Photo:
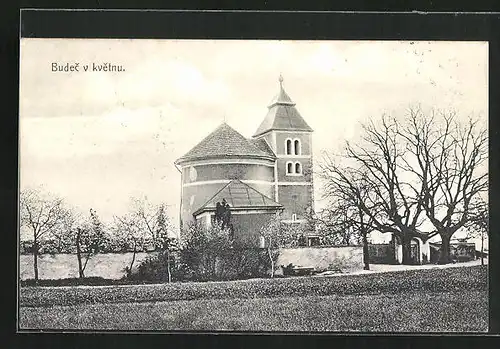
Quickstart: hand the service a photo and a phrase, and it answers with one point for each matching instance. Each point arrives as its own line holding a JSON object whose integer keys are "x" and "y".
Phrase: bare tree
{"x": 423, "y": 168}
{"x": 449, "y": 159}
{"x": 384, "y": 198}
{"x": 335, "y": 227}
{"x": 346, "y": 214}
{"x": 42, "y": 214}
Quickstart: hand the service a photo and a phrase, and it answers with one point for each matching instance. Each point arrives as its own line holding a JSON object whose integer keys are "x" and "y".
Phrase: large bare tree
{"x": 423, "y": 168}
{"x": 449, "y": 157}
{"x": 370, "y": 175}
{"x": 42, "y": 214}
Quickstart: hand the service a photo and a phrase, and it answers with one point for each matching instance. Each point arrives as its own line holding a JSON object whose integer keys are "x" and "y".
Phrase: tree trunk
{"x": 366, "y": 254}
{"x": 35, "y": 260}
{"x": 79, "y": 254}
{"x": 482, "y": 247}
{"x": 215, "y": 266}
{"x": 272, "y": 262}
{"x": 406, "y": 245}
{"x": 129, "y": 271}
{"x": 168, "y": 266}
{"x": 212, "y": 264}
{"x": 444, "y": 252}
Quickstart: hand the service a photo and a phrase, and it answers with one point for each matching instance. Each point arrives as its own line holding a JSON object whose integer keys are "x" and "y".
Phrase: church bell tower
{"x": 290, "y": 138}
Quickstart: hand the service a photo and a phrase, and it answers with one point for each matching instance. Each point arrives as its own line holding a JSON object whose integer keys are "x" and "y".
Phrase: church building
{"x": 260, "y": 177}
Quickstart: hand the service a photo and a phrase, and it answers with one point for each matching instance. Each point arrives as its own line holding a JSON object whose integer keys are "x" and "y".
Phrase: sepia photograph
{"x": 253, "y": 185}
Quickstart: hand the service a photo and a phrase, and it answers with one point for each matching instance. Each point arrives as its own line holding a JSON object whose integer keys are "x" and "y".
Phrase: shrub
{"x": 232, "y": 264}
{"x": 154, "y": 269}
{"x": 207, "y": 255}
{"x": 211, "y": 254}
{"x": 244, "y": 263}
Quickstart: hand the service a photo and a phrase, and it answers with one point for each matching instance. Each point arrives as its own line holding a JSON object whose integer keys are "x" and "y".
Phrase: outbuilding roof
{"x": 239, "y": 195}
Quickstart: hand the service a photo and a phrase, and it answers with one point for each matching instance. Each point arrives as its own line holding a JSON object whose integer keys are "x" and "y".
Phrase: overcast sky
{"x": 97, "y": 138}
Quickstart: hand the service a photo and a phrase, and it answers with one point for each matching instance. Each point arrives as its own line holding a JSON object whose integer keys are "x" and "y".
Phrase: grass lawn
{"x": 430, "y": 312}
{"x": 427, "y": 306}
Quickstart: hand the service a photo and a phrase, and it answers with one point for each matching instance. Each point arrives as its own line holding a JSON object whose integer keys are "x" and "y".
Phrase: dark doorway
{"x": 415, "y": 251}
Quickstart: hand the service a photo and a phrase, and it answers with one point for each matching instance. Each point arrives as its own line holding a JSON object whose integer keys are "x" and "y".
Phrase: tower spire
{"x": 282, "y": 97}
{"x": 282, "y": 114}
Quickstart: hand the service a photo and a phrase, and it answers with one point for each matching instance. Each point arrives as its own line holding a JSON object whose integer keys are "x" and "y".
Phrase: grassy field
{"x": 454, "y": 299}
{"x": 427, "y": 312}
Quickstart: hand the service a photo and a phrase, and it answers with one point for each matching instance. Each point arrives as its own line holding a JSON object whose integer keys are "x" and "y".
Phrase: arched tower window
{"x": 288, "y": 147}
{"x": 298, "y": 168}
{"x": 289, "y": 167}
{"x": 296, "y": 147}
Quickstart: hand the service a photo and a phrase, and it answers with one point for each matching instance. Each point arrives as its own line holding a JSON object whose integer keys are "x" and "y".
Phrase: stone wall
{"x": 459, "y": 252}
{"x": 346, "y": 258}
{"x": 381, "y": 254}
{"x": 62, "y": 266}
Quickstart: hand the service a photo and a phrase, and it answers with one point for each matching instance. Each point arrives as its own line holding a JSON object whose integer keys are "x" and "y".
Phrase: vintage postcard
{"x": 253, "y": 185}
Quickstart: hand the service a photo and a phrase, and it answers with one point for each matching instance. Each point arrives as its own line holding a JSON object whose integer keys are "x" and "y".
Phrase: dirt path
{"x": 387, "y": 268}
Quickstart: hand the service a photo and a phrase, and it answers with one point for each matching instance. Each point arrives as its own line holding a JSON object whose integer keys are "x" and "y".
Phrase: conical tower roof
{"x": 282, "y": 115}
{"x": 225, "y": 141}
